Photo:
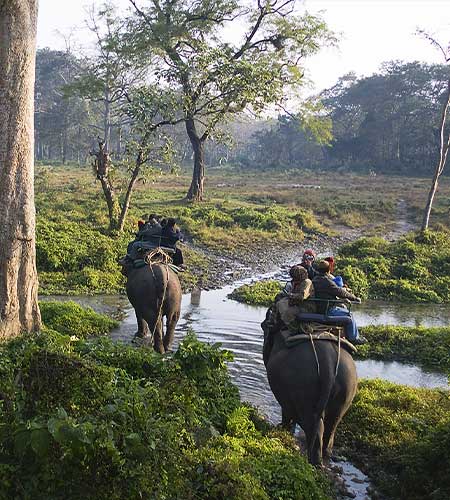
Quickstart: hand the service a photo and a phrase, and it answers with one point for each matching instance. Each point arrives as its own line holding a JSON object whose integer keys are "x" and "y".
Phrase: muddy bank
{"x": 229, "y": 267}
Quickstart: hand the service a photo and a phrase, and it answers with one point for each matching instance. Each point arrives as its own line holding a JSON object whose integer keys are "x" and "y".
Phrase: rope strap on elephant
{"x": 159, "y": 256}
{"x": 292, "y": 340}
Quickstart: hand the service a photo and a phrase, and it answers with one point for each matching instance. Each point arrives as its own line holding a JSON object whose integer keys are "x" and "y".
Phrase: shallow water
{"x": 215, "y": 318}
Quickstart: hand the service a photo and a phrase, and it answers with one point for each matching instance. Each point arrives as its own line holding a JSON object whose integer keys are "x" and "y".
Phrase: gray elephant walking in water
{"x": 155, "y": 292}
{"x": 310, "y": 390}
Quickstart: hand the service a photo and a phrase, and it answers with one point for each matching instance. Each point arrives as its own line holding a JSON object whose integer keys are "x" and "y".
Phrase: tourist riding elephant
{"x": 309, "y": 390}
{"x": 154, "y": 292}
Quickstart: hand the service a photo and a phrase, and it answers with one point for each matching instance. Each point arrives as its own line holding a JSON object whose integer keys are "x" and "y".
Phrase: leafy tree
{"x": 113, "y": 80}
{"x": 19, "y": 311}
{"x": 215, "y": 77}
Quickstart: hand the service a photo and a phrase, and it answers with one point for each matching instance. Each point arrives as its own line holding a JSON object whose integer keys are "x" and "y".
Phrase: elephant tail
{"x": 327, "y": 377}
{"x": 162, "y": 282}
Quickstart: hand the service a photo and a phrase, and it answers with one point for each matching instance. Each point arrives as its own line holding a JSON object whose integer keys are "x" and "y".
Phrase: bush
{"x": 413, "y": 269}
{"x": 356, "y": 279}
{"x": 403, "y": 291}
{"x": 400, "y": 436}
{"x": 104, "y": 421}
{"x": 430, "y": 347}
{"x": 245, "y": 463}
{"x": 261, "y": 293}
{"x": 70, "y": 318}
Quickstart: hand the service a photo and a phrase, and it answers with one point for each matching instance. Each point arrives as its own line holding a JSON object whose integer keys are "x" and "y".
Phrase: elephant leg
{"x": 287, "y": 422}
{"x": 155, "y": 326}
{"x": 142, "y": 330}
{"x": 171, "y": 323}
{"x": 157, "y": 337}
{"x": 314, "y": 437}
{"x": 330, "y": 424}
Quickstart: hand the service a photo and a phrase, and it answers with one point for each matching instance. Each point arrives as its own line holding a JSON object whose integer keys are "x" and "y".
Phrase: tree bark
{"x": 19, "y": 310}
{"x": 101, "y": 165}
{"x": 195, "y": 192}
{"x": 444, "y": 145}
{"x": 126, "y": 201}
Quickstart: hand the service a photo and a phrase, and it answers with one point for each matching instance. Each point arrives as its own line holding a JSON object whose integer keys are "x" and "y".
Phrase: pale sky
{"x": 371, "y": 31}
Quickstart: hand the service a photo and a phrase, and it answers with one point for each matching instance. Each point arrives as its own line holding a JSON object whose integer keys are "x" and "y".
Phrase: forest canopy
{"x": 387, "y": 122}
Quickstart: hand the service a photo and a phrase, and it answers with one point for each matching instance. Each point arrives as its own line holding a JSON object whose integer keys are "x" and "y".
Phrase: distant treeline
{"x": 387, "y": 122}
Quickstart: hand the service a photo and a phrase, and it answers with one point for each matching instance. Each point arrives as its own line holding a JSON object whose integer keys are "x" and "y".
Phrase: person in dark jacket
{"x": 326, "y": 289}
{"x": 170, "y": 236}
{"x": 308, "y": 259}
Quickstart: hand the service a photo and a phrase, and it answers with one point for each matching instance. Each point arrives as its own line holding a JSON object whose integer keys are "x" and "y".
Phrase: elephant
{"x": 155, "y": 291}
{"x": 316, "y": 399}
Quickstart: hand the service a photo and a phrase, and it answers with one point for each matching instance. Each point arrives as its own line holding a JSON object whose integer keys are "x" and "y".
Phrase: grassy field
{"x": 246, "y": 216}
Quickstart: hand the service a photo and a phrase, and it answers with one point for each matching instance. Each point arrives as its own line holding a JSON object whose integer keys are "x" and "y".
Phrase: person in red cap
{"x": 308, "y": 259}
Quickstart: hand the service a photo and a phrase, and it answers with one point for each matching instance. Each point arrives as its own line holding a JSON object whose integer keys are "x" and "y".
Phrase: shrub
{"x": 261, "y": 293}
{"x": 399, "y": 436}
{"x": 98, "y": 420}
{"x": 430, "y": 347}
{"x": 403, "y": 290}
{"x": 356, "y": 280}
{"x": 70, "y": 318}
{"x": 364, "y": 247}
{"x": 415, "y": 268}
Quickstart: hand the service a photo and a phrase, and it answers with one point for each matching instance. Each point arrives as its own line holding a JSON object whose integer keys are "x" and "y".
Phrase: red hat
{"x": 330, "y": 260}
{"x": 308, "y": 253}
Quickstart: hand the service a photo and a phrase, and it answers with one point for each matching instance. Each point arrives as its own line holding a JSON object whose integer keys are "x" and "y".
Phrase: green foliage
{"x": 412, "y": 269}
{"x": 399, "y": 436}
{"x": 75, "y": 258}
{"x": 261, "y": 293}
{"x": 365, "y": 247}
{"x": 245, "y": 463}
{"x": 273, "y": 218}
{"x": 93, "y": 419}
{"x": 430, "y": 347}
{"x": 356, "y": 279}
{"x": 70, "y": 318}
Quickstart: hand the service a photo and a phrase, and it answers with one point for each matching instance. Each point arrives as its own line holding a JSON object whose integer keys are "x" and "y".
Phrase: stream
{"x": 215, "y": 318}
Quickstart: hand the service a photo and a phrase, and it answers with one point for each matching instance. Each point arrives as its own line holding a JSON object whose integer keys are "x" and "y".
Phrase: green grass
{"x": 413, "y": 269}
{"x": 429, "y": 347}
{"x": 70, "y": 318}
{"x": 261, "y": 293}
{"x": 400, "y": 437}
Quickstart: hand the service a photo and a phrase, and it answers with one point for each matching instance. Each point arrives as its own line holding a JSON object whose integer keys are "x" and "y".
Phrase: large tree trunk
{"x": 195, "y": 192}
{"x": 19, "y": 311}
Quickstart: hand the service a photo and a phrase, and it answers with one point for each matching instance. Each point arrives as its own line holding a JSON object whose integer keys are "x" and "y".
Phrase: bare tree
{"x": 444, "y": 136}
{"x": 19, "y": 311}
